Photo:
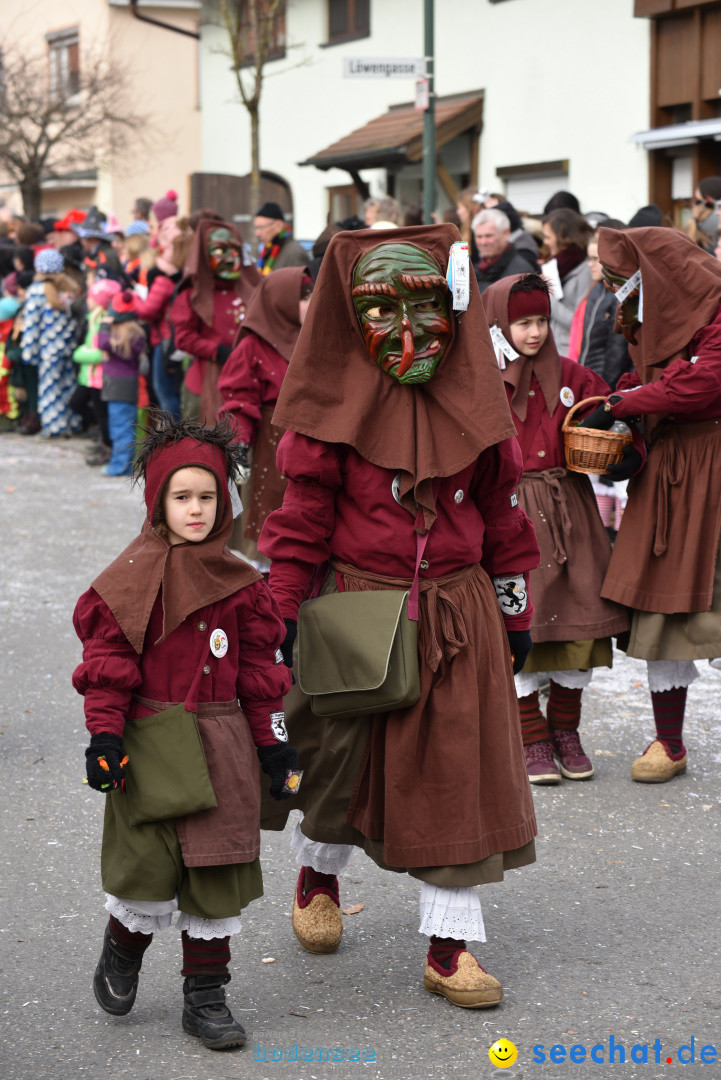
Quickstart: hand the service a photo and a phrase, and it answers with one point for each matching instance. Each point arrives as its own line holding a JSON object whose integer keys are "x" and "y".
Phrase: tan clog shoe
{"x": 465, "y": 983}
{"x": 317, "y": 921}
{"x": 658, "y": 764}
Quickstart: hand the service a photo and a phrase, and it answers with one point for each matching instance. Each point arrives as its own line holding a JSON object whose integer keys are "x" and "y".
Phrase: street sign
{"x": 363, "y": 67}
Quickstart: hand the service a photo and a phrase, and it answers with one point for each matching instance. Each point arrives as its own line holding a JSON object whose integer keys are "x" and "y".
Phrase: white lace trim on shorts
{"x": 451, "y": 913}
{"x": 527, "y": 683}
{"x": 670, "y": 674}
{"x": 149, "y": 916}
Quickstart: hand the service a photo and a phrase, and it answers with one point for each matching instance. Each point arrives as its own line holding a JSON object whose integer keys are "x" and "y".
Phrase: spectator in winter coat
{"x": 499, "y": 257}
{"x": 566, "y": 235}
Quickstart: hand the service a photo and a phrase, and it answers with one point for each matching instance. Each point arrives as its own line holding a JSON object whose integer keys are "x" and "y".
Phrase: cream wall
{"x": 163, "y": 70}
{"x": 546, "y": 68}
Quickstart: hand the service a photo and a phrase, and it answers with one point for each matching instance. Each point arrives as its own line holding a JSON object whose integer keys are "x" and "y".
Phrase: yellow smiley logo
{"x": 503, "y": 1053}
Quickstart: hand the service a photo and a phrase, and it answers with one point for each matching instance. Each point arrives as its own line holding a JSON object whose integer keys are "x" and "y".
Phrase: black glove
{"x": 600, "y": 419}
{"x": 628, "y": 466}
{"x": 222, "y": 353}
{"x": 291, "y": 629}
{"x": 277, "y": 761}
{"x": 108, "y": 748}
{"x": 521, "y": 644}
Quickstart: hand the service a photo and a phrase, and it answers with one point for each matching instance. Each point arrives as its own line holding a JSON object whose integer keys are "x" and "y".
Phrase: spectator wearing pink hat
{"x": 87, "y": 399}
{"x": 161, "y": 287}
{"x": 123, "y": 341}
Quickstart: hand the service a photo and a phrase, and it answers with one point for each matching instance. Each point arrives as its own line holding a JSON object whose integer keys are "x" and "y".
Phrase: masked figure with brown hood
{"x": 665, "y": 563}
{"x": 249, "y": 385}
{"x": 210, "y": 307}
{"x": 401, "y": 464}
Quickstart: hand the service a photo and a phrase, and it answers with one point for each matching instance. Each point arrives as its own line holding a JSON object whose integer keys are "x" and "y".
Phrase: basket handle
{"x": 586, "y": 401}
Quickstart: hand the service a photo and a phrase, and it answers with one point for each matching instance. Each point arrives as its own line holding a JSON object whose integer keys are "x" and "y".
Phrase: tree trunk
{"x": 32, "y": 196}
{"x": 255, "y": 199}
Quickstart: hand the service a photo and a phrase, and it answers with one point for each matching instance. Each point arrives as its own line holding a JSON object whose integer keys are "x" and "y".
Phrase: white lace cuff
{"x": 207, "y": 929}
{"x": 670, "y": 674}
{"x": 324, "y": 858}
{"x": 572, "y": 680}
{"x": 141, "y": 916}
{"x": 526, "y": 683}
{"x": 451, "y": 913}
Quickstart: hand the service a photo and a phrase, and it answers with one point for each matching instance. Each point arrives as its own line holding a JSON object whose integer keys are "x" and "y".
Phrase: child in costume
{"x": 398, "y": 428}
{"x": 572, "y": 625}
{"x": 178, "y": 618}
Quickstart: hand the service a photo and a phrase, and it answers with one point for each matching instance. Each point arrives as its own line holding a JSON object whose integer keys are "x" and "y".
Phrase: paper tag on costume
{"x": 396, "y": 488}
{"x": 236, "y": 503}
{"x": 278, "y": 656}
{"x": 219, "y": 643}
{"x": 277, "y": 726}
{"x": 634, "y": 282}
{"x": 458, "y": 275}
{"x": 549, "y": 270}
{"x": 504, "y": 349}
{"x": 567, "y": 396}
{"x": 640, "y": 301}
{"x": 511, "y": 593}
{"x": 293, "y": 778}
{"x": 514, "y": 500}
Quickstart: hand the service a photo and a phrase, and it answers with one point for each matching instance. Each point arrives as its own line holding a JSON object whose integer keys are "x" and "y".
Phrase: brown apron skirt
{"x": 575, "y": 551}
{"x": 210, "y": 859}
{"x": 439, "y": 789}
{"x": 664, "y": 558}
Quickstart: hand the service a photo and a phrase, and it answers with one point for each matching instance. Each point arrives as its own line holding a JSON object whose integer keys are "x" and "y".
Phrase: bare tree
{"x": 253, "y": 31}
{"x": 50, "y": 127}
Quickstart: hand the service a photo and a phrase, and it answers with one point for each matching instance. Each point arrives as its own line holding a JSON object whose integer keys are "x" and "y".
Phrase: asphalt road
{"x": 612, "y": 935}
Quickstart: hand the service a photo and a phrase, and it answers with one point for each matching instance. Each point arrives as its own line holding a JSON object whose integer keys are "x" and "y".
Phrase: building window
{"x": 64, "y": 61}
{"x": 271, "y": 19}
{"x": 348, "y": 19}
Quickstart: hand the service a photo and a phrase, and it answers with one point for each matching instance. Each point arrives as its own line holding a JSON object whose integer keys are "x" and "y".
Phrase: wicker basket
{"x": 589, "y": 450}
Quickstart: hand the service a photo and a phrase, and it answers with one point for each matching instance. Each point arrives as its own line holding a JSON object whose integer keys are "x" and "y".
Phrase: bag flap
{"x": 345, "y": 640}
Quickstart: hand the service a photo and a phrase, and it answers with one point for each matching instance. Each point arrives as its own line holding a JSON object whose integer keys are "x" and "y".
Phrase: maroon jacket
{"x": 251, "y": 378}
{"x": 193, "y": 336}
{"x": 154, "y": 308}
{"x": 337, "y": 504}
{"x": 251, "y": 670}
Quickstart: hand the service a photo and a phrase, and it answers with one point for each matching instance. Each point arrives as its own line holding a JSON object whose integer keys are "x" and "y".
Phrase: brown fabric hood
{"x": 681, "y": 288}
{"x": 273, "y": 313}
{"x": 334, "y": 392}
{"x": 199, "y": 277}
{"x": 545, "y": 365}
{"x": 191, "y": 575}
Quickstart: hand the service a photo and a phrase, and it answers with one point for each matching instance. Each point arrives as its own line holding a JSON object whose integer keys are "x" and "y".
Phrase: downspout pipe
{"x": 162, "y": 25}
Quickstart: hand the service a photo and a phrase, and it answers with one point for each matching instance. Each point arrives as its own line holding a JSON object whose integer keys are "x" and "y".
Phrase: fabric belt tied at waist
{"x": 446, "y": 624}
{"x": 560, "y": 522}
{"x": 204, "y": 708}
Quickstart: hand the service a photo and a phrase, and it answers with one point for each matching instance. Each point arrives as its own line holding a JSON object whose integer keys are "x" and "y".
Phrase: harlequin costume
{"x": 438, "y": 789}
{"x": 572, "y": 625}
{"x": 665, "y": 563}
{"x": 210, "y": 306}
{"x": 148, "y": 623}
{"x": 251, "y": 380}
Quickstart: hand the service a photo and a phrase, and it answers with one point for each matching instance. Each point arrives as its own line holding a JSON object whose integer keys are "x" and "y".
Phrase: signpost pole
{"x": 429, "y": 120}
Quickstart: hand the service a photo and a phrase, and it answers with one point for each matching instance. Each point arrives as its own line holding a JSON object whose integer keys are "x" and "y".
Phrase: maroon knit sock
{"x": 564, "y": 707}
{"x": 314, "y": 880}
{"x": 443, "y": 949}
{"x": 533, "y": 723}
{"x": 135, "y": 942}
{"x": 205, "y": 957}
{"x": 668, "y": 711}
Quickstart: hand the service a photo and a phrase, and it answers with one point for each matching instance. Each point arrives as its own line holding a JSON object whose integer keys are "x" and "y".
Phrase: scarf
{"x": 269, "y": 254}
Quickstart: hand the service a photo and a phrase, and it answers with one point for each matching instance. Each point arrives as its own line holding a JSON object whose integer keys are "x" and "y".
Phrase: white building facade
{"x": 550, "y": 93}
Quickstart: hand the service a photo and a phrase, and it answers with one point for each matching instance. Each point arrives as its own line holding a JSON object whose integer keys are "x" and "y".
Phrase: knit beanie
{"x": 139, "y": 227}
{"x": 522, "y": 305}
{"x": 167, "y": 206}
{"x": 10, "y": 284}
{"x": 270, "y": 210}
{"x": 122, "y": 307}
{"x": 710, "y": 187}
{"x": 49, "y": 261}
{"x": 101, "y": 292}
